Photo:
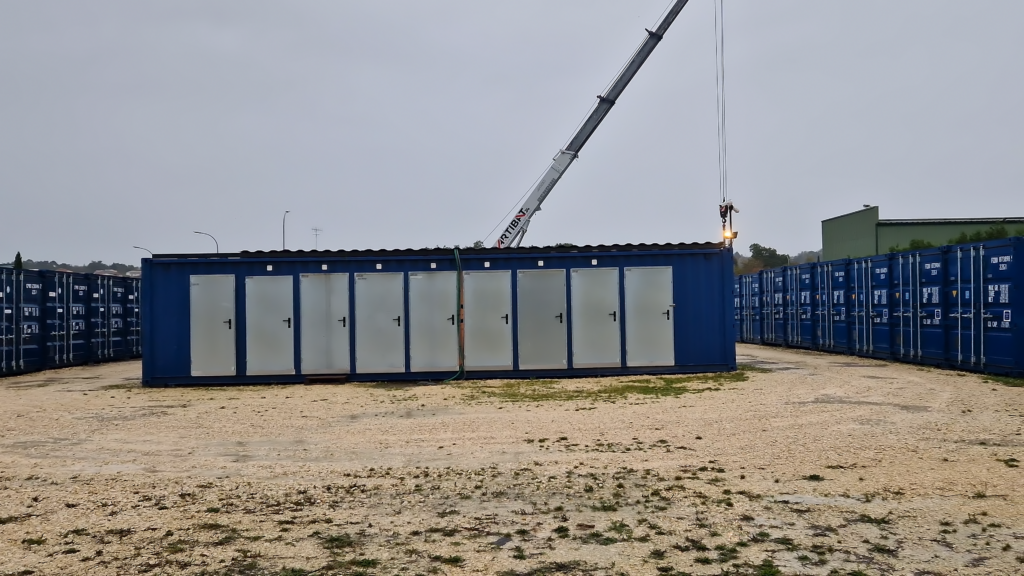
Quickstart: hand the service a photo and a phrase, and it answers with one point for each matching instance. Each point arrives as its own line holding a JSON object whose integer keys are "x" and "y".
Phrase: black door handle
{"x": 399, "y": 320}
{"x": 506, "y": 318}
{"x": 668, "y": 314}
{"x": 289, "y": 321}
{"x": 343, "y": 324}
{"x": 228, "y": 322}
{"x": 559, "y": 317}
{"x": 614, "y": 316}
{"x": 452, "y": 319}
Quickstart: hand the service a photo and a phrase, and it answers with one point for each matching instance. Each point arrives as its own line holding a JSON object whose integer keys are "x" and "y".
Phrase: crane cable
{"x": 723, "y": 148}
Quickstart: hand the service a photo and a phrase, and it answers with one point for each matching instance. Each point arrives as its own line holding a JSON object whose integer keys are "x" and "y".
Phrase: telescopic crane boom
{"x": 516, "y": 229}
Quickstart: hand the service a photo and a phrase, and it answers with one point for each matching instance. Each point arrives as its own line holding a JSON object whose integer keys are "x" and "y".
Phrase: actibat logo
{"x": 512, "y": 227}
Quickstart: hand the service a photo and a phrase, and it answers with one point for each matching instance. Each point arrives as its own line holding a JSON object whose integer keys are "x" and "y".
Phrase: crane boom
{"x": 516, "y": 228}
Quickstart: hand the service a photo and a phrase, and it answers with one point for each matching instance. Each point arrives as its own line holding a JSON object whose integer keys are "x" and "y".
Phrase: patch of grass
{"x": 120, "y": 532}
{"x": 556, "y": 391}
{"x": 1006, "y": 381}
{"x": 337, "y": 541}
{"x": 561, "y": 531}
{"x": 33, "y": 541}
{"x": 213, "y": 510}
{"x": 603, "y": 506}
{"x": 814, "y": 478}
{"x": 1010, "y": 462}
{"x": 881, "y": 549}
{"x": 363, "y": 562}
{"x": 448, "y": 560}
{"x": 596, "y": 537}
{"x": 518, "y": 553}
{"x": 75, "y": 532}
{"x": 868, "y": 519}
{"x": 550, "y": 568}
{"x": 12, "y": 519}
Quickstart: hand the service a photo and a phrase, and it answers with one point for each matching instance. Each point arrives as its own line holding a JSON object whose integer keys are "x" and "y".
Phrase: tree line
{"x": 996, "y": 232}
{"x": 766, "y": 257}
{"x": 22, "y": 264}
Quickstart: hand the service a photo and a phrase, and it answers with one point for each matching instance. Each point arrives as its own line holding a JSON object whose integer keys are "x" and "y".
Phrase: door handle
{"x": 559, "y": 317}
{"x": 289, "y": 321}
{"x": 452, "y": 319}
{"x": 228, "y": 322}
{"x": 614, "y": 316}
{"x": 668, "y": 314}
{"x": 399, "y": 320}
{"x": 506, "y": 318}
{"x": 343, "y": 323}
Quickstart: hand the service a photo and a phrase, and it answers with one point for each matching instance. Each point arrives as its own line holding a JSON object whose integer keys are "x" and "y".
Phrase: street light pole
{"x": 146, "y": 249}
{"x": 283, "y": 220}
{"x": 215, "y": 243}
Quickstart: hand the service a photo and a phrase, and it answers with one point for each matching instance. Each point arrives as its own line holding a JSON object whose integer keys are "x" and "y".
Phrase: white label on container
{"x": 94, "y": 295}
{"x": 1006, "y": 315}
{"x": 8, "y": 311}
{"x": 52, "y": 294}
{"x": 938, "y": 314}
{"x": 60, "y": 310}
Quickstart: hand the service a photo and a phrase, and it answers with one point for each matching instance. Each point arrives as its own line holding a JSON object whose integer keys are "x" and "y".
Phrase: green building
{"x": 862, "y": 233}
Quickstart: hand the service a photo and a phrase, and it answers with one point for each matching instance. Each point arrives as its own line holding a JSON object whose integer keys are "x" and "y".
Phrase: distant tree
{"x": 18, "y": 264}
{"x": 995, "y": 232}
{"x": 768, "y": 257}
{"x": 565, "y": 245}
{"x": 478, "y": 244}
{"x": 915, "y": 244}
{"x": 806, "y": 256}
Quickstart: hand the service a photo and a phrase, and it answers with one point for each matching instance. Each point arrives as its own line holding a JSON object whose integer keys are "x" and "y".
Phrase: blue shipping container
{"x": 420, "y": 314}
{"x": 951, "y": 307}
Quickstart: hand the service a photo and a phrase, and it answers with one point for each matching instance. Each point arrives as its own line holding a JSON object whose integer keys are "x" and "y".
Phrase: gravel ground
{"x": 802, "y": 463}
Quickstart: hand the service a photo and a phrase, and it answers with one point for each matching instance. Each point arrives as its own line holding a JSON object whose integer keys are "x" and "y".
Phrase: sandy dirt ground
{"x": 802, "y": 463}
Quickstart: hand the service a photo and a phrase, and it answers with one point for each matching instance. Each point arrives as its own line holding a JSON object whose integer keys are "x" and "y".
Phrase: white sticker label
{"x": 938, "y": 314}
{"x": 1006, "y": 315}
{"x": 53, "y": 294}
{"x": 131, "y": 297}
{"x": 60, "y": 310}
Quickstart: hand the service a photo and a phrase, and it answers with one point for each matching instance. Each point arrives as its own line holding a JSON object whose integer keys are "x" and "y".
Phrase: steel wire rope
{"x": 723, "y": 112}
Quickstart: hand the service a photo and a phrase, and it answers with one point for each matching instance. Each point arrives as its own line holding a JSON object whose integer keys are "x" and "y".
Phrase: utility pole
{"x": 316, "y": 237}
{"x": 283, "y": 220}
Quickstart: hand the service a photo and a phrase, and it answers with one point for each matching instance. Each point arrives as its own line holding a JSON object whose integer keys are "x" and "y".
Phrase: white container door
{"x": 542, "y": 319}
{"x": 650, "y": 317}
{"x": 433, "y": 326}
{"x": 487, "y": 298}
{"x": 596, "y": 341}
{"x": 323, "y": 304}
{"x": 269, "y": 337}
{"x": 380, "y": 322}
{"x": 212, "y": 325}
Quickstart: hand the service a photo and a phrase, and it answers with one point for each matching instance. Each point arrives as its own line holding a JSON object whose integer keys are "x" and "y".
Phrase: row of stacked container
{"x": 951, "y": 307}
{"x": 52, "y": 319}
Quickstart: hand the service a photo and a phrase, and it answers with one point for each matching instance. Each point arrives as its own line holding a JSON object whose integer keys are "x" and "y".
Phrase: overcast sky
{"x": 421, "y": 123}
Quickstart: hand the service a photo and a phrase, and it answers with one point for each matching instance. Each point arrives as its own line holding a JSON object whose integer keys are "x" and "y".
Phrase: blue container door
{"x": 56, "y": 316}
{"x": 737, "y": 308}
{"x": 134, "y": 319}
{"x": 1000, "y": 350}
{"x": 880, "y": 338}
{"x": 754, "y": 282}
{"x": 99, "y": 319}
{"x": 857, "y": 313}
{"x": 79, "y": 328}
{"x": 927, "y": 307}
{"x": 904, "y": 324}
{"x": 806, "y": 329}
{"x": 963, "y": 265}
{"x": 29, "y": 344}
{"x": 778, "y": 280}
{"x": 838, "y": 310}
{"x": 117, "y": 300}
{"x": 8, "y": 334}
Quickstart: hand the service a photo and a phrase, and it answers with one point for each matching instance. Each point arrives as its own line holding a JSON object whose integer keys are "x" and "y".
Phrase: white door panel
{"x": 488, "y": 306}
{"x": 380, "y": 319}
{"x": 542, "y": 319}
{"x": 433, "y": 324}
{"x": 212, "y": 325}
{"x": 650, "y": 316}
{"x": 596, "y": 340}
{"x": 269, "y": 334}
{"x": 323, "y": 301}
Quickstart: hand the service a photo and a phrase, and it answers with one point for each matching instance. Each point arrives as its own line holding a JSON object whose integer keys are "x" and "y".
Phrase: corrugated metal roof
{"x": 446, "y": 251}
{"x": 951, "y": 221}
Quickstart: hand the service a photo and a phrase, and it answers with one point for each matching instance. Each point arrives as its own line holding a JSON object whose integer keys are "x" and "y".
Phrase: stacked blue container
{"x": 951, "y": 307}
{"x": 52, "y": 319}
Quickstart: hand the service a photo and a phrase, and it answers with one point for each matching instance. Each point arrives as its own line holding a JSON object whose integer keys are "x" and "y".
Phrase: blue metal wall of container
{"x": 52, "y": 319}
{"x": 416, "y": 314}
{"x": 951, "y": 307}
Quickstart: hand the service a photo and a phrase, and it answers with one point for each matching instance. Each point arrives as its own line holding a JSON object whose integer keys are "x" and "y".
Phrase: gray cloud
{"x": 408, "y": 124}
